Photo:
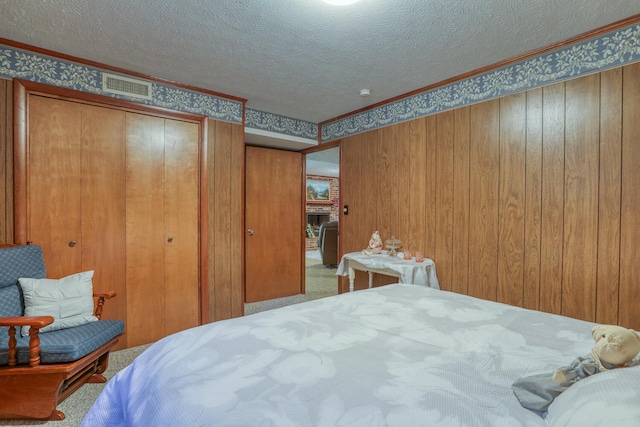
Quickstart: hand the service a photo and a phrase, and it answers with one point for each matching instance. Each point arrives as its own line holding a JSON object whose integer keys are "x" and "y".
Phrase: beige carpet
{"x": 321, "y": 282}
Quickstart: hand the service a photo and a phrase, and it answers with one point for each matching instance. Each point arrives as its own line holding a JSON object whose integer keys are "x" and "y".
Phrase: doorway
{"x": 322, "y": 213}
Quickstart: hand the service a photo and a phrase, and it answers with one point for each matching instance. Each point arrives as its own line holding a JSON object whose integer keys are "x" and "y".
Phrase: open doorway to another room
{"x": 322, "y": 222}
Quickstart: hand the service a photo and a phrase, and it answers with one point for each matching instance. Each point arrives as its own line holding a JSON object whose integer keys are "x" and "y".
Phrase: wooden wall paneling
{"x": 430, "y": 171}
{"x": 483, "y": 201}
{"x": 6, "y": 171}
{"x": 533, "y": 200}
{"x": 608, "y": 269}
{"x": 387, "y": 191}
{"x": 181, "y": 234}
{"x": 511, "y": 209}
{"x": 103, "y": 224}
{"x": 212, "y": 232}
{"x": 582, "y": 134}
{"x": 145, "y": 228}
{"x": 359, "y": 191}
{"x": 403, "y": 185}
{"x": 222, "y": 221}
{"x": 54, "y": 172}
{"x": 460, "y": 278}
{"x": 630, "y": 215}
{"x": 443, "y": 256}
{"x": 417, "y": 184}
{"x": 236, "y": 249}
{"x": 553, "y": 112}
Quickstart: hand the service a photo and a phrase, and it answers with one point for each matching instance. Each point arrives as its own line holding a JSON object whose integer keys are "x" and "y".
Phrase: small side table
{"x": 407, "y": 271}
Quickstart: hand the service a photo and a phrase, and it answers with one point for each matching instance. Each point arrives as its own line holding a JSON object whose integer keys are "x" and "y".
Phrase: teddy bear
{"x": 375, "y": 244}
{"x": 615, "y": 347}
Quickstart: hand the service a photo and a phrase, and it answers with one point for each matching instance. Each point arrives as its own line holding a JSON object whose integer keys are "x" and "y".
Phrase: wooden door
{"x": 103, "y": 204}
{"x": 145, "y": 228}
{"x": 117, "y": 192}
{"x": 53, "y": 203}
{"x": 181, "y": 235}
{"x": 273, "y": 213}
{"x": 161, "y": 227}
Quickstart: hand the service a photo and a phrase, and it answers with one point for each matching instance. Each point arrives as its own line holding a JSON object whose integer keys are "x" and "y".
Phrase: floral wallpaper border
{"x": 16, "y": 63}
{"x": 608, "y": 51}
{"x": 262, "y": 120}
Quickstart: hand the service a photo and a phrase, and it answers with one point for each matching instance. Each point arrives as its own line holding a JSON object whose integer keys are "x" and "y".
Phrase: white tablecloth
{"x": 418, "y": 273}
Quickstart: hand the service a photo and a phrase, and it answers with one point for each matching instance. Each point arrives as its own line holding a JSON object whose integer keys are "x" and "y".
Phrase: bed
{"x": 395, "y": 355}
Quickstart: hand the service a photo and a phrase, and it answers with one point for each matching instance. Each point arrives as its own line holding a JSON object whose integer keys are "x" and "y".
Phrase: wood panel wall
{"x": 532, "y": 199}
{"x": 224, "y": 203}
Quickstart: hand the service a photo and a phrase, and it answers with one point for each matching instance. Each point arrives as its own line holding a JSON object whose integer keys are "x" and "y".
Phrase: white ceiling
{"x": 303, "y": 59}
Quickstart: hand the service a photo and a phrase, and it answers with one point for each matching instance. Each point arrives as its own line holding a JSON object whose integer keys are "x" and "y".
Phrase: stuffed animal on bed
{"x": 375, "y": 244}
{"x": 614, "y": 347}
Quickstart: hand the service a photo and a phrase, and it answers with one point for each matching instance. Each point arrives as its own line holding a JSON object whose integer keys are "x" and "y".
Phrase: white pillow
{"x": 610, "y": 398}
{"x": 69, "y": 300}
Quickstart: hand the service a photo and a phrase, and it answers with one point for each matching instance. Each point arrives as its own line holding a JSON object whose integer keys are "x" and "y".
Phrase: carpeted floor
{"x": 321, "y": 282}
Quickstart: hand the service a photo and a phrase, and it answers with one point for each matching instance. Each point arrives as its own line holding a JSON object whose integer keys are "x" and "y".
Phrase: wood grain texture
{"x": 443, "y": 255}
{"x": 430, "y": 170}
{"x": 274, "y": 252}
{"x": 360, "y": 170}
{"x": 582, "y": 132}
{"x": 416, "y": 188}
{"x": 553, "y": 113}
{"x": 608, "y": 270}
{"x": 236, "y": 250}
{"x": 483, "y": 203}
{"x": 511, "y": 198}
{"x": 54, "y": 198}
{"x": 181, "y": 219}
{"x": 222, "y": 222}
{"x": 145, "y": 228}
{"x": 5, "y": 152}
{"x": 533, "y": 200}
{"x": 103, "y": 204}
{"x": 461, "y": 150}
{"x": 630, "y": 200}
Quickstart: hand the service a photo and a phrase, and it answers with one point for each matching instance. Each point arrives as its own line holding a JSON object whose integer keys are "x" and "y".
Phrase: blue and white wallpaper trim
{"x": 256, "y": 119}
{"x": 608, "y": 51}
{"x": 15, "y": 63}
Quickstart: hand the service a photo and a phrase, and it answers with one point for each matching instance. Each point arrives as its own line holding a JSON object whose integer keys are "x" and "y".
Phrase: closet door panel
{"x": 181, "y": 226}
{"x": 103, "y": 203}
{"x": 53, "y": 204}
{"x": 145, "y": 228}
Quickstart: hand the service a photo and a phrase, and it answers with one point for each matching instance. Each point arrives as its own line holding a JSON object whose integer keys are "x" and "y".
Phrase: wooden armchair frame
{"x": 33, "y": 390}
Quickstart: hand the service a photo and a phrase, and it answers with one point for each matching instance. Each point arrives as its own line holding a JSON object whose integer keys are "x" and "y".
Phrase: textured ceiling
{"x": 303, "y": 58}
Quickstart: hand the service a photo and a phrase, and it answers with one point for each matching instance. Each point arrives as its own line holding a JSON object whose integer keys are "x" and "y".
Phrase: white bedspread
{"x": 397, "y": 355}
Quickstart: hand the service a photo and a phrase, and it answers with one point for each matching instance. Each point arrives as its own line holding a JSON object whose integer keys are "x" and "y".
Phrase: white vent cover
{"x": 112, "y": 83}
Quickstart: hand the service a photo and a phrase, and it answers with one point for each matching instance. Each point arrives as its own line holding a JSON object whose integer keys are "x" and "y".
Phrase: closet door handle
{"x": 72, "y": 243}
{"x": 170, "y": 239}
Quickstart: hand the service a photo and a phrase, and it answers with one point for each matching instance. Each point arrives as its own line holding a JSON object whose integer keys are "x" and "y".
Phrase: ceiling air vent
{"x": 112, "y": 83}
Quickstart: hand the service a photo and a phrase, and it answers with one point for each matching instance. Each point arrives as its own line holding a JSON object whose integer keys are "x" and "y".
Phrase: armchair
{"x": 328, "y": 243}
{"x": 40, "y": 370}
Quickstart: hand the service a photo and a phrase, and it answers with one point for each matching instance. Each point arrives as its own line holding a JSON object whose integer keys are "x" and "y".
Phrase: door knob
{"x": 250, "y": 231}
{"x": 72, "y": 243}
